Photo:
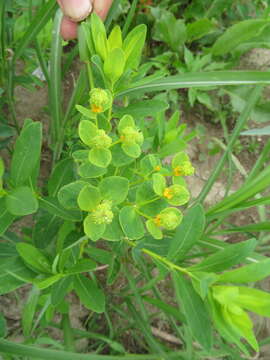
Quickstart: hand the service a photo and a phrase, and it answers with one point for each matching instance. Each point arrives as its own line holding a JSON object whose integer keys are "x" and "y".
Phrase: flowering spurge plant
{"x": 119, "y": 206}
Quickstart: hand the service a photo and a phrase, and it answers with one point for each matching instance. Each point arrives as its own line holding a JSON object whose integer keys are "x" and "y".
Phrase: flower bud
{"x": 101, "y": 140}
{"x": 169, "y": 218}
{"x": 99, "y": 100}
{"x": 130, "y": 135}
{"x": 184, "y": 169}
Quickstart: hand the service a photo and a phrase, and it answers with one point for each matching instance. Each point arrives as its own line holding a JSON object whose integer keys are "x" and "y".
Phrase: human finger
{"x": 101, "y": 7}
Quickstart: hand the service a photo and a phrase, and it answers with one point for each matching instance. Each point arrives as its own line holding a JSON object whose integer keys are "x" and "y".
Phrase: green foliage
{"x": 122, "y": 178}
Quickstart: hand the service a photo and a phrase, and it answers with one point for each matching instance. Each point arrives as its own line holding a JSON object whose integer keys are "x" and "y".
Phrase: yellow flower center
{"x": 168, "y": 193}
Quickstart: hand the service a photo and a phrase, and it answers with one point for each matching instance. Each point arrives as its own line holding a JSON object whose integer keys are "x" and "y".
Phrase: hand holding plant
{"x": 78, "y": 10}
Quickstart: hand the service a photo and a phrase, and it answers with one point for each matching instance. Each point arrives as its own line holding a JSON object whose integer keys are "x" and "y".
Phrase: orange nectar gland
{"x": 96, "y": 109}
{"x": 157, "y": 220}
{"x": 157, "y": 168}
{"x": 168, "y": 193}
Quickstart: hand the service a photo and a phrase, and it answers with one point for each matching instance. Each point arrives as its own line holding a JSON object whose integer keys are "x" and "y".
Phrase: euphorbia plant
{"x": 115, "y": 185}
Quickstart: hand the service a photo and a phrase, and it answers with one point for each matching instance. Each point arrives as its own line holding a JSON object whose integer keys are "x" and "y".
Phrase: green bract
{"x": 167, "y": 219}
{"x": 99, "y": 202}
{"x": 99, "y": 141}
{"x": 176, "y": 195}
{"x": 131, "y": 138}
{"x": 181, "y": 166}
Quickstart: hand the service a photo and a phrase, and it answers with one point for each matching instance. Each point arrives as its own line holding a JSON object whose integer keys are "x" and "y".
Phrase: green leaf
{"x": 14, "y": 274}
{"x": 34, "y": 257}
{"x": 237, "y": 34}
{"x": 248, "y": 190}
{"x": 249, "y": 273}
{"x": 90, "y": 295}
{"x": 202, "y": 282}
{"x": 21, "y": 201}
{"x": 115, "y": 38}
{"x": 195, "y": 311}
{"x": 26, "y": 153}
{"x": 92, "y": 230}
{"x": 99, "y": 36}
{"x": 60, "y": 289}
{"x": 224, "y": 259}
{"x": 62, "y": 174}
{"x": 86, "y": 112}
{"x": 133, "y": 46}
{"x": 68, "y": 194}
{"x": 254, "y": 300}
{"x": 29, "y": 311}
{"x": 100, "y": 157}
{"x": 131, "y": 223}
{"x": 89, "y": 198}
{"x": 114, "y": 188}
{"x": 52, "y": 206}
{"x": 188, "y": 233}
{"x": 172, "y": 148}
{"x": 198, "y": 79}
{"x": 47, "y": 282}
{"x": 224, "y": 327}
{"x": 119, "y": 158}
{"x": 159, "y": 184}
{"x": 87, "y": 130}
{"x": 6, "y": 219}
{"x": 141, "y": 108}
{"x": 82, "y": 265}
{"x": 112, "y": 71}
{"x": 90, "y": 171}
{"x": 199, "y": 28}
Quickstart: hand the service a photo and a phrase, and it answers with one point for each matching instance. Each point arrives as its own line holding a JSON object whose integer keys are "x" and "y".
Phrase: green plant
{"x": 114, "y": 182}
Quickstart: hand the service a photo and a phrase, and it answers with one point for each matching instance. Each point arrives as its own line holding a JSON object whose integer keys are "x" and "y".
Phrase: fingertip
{"x": 101, "y": 8}
{"x": 68, "y": 29}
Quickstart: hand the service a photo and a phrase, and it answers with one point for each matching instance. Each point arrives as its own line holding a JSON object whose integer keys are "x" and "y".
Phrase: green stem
{"x": 90, "y": 76}
{"x": 142, "y": 214}
{"x": 149, "y": 201}
{"x": 68, "y": 333}
{"x": 169, "y": 264}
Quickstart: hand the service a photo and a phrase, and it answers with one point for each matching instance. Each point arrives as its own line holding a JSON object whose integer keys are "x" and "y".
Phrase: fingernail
{"x": 76, "y": 10}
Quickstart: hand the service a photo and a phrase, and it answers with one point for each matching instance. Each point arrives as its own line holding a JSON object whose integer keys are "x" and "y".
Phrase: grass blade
{"x": 40, "y": 20}
{"x": 200, "y": 79}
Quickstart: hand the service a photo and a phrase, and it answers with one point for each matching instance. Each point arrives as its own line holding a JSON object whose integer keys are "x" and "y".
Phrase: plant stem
{"x": 68, "y": 333}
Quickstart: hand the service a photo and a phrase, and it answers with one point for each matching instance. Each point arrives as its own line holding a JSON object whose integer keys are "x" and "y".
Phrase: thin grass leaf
{"x": 38, "y": 23}
{"x": 200, "y": 79}
{"x": 55, "y": 89}
{"x": 13, "y": 348}
{"x": 243, "y": 118}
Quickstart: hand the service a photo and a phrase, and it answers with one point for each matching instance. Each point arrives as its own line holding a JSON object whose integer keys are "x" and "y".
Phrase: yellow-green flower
{"x": 100, "y": 100}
